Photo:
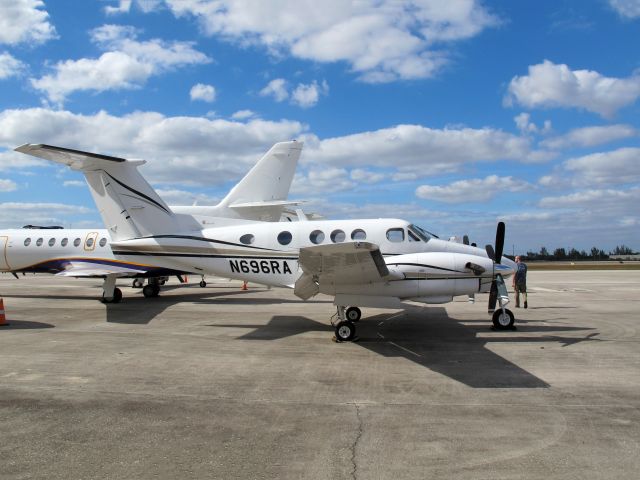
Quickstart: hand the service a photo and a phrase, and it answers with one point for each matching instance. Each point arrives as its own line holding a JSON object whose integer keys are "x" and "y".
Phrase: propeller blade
{"x": 465, "y": 239}
{"x": 490, "y": 252}
{"x": 499, "y": 242}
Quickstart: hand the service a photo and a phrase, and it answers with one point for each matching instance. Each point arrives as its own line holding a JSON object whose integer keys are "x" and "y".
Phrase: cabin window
{"x": 103, "y": 242}
{"x": 247, "y": 239}
{"x": 338, "y": 236}
{"x": 64, "y": 242}
{"x": 284, "y": 238}
{"x": 52, "y": 242}
{"x": 76, "y": 242}
{"x": 27, "y": 242}
{"x": 317, "y": 236}
{"x": 358, "y": 234}
{"x": 39, "y": 242}
{"x": 89, "y": 242}
{"x": 395, "y": 235}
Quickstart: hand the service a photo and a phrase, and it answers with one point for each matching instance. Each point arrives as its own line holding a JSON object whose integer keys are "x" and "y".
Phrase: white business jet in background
{"x": 260, "y": 196}
{"x": 361, "y": 263}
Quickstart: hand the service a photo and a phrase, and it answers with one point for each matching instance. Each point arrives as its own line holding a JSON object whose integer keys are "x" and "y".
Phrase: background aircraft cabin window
{"x": 89, "y": 242}
{"x": 27, "y": 242}
{"x": 395, "y": 235}
{"x": 52, "y": 242}
{"x": 247, "y": 239}
{"x": 64, "y": 242}
{"x": 39, "y": 242}
{"x": 76, "y": 242}
{"x": 358, "y": 234}
{"x": 284, "y": 238}
{"x": 317, "y": 236}
{"x": 103, "y": 242}
{"x": 338, "y": 236}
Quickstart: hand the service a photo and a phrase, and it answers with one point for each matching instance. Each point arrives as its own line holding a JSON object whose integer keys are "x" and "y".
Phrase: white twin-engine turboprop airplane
{"x": 361, "y": 263}
{"x": 261, "y": 196}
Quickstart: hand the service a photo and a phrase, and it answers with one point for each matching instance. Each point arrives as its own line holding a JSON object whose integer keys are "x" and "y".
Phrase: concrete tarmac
{"x": 221, "y": 383}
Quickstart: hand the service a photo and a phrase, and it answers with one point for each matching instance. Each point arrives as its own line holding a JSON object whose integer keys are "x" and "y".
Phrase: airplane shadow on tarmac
{"x": 438, "y": 342}
{"x": 139, "y": 310}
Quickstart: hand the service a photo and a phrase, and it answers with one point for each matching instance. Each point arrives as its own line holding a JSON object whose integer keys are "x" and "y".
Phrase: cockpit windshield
{"x": 421, "y": 233}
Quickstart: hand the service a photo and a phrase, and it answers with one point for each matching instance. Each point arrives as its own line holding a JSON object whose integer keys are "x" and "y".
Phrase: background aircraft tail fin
{"x": 268, "y": 182}
{"x": 129, "y": 206}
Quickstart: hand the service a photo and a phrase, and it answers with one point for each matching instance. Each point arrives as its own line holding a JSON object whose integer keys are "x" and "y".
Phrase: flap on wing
{"x": 90, "y": 269}
{"x": 339, "y": 263}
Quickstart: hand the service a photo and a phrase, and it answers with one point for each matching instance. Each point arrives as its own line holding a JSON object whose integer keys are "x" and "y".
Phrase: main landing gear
{"x": 345, "y": 324}
{"x": 152, "y": 289}
{"x": 110, "y": 293}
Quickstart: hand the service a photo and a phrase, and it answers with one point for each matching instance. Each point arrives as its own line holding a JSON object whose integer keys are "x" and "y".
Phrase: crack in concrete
{"x": 354, "y": 445}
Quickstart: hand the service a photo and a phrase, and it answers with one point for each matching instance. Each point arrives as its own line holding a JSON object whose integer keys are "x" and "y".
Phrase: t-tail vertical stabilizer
{"x": 129, "y": 206}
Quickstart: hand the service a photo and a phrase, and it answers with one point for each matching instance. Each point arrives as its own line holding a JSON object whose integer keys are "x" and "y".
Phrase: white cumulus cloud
{"x": 127, "y": 63}
{"x": 307, "y": 95}
{"x": 200, "y": 91}
{"x": 626, "y": 8}
{"x": 276, "y": 88}
{"x": 7, "y": 185}
{"x": 381, "y": 41}
{"x": 24, "y": 21}
{"x": 590, "y": 136}
{"x": 17, "y": 214}
{"x": 472, "y": 190}
{"x": 180, "y": 150}
{"x": 549, "y": 85}
{"x": 617, "y": 167}
{"x": 10, "y": 66}
{"x": 420, "y": 150}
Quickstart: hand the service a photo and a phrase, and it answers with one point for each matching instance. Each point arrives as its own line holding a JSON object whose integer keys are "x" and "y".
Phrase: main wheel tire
{"x": 117, "y": 297}
{"x": 137, "y": 283}
{"x": 353, "y": 314}
{"x": 203, "y": 284}
{"x": 503, "y": 321}
{"x": 151, "y": 290}
{"x": 345, "y": 331}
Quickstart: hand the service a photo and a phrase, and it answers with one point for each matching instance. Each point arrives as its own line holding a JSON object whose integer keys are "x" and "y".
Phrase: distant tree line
{"x": 573, "y": 254}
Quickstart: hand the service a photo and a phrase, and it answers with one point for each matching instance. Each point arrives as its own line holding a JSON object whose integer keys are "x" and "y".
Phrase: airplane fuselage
{"x": 423, "y": 267}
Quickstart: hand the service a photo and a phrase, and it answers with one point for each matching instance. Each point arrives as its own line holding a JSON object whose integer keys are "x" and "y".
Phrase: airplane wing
{"x": 339, "y": 263}
{"x": 91, "y": 269}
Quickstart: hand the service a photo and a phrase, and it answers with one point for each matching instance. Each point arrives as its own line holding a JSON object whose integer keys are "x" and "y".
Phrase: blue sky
{"x": 452, "y": 114}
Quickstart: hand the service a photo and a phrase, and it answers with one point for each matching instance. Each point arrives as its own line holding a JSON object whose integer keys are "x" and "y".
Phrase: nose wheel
{"x": 503, "y": 319}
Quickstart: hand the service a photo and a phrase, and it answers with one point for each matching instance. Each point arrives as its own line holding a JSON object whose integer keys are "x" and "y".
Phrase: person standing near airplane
{"x": 520, "y": 282}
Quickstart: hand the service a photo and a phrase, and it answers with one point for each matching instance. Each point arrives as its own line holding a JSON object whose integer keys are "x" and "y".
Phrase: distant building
{"x": 625, "y": 257}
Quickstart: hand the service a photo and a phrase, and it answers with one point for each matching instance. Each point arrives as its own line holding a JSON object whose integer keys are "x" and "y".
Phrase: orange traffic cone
{"x": 3, "y": 319}
{"x": 244, "y": 285}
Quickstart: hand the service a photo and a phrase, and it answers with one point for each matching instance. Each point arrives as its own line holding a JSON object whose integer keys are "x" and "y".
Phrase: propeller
{"x": 496, "y": 256}
{"x": 465, "y": 239}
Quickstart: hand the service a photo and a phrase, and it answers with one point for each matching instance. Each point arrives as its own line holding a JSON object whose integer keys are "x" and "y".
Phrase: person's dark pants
{"x": 521, "y": 288}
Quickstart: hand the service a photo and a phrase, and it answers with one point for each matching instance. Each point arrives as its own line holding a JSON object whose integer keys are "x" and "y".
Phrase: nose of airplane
{"x": 510, "y": 264}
